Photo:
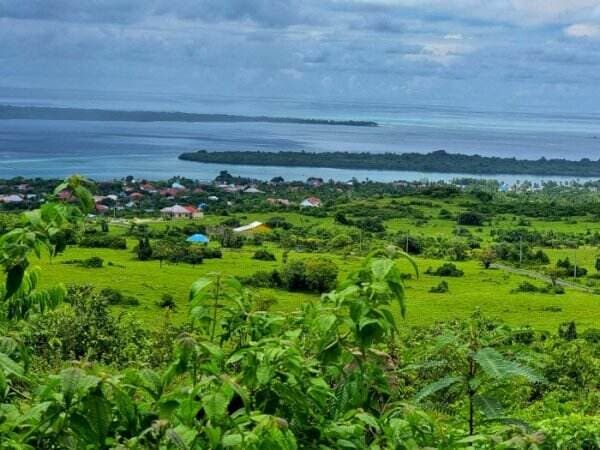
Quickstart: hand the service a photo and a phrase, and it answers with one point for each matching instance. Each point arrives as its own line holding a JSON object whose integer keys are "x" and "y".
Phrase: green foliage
{"x": 316, "y": 275}
{"x": 470, "y": 218}
{"x": 441, "y": 288}
{"x": 263, "y": 255}
{"x": 446, "y": 270}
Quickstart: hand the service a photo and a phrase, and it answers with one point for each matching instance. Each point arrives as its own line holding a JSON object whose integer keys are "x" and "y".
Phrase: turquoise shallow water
{"x": 105, "y": 150}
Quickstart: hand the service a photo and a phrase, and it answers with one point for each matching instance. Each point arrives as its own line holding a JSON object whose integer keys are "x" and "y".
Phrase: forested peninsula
{"x": 105, "y": 115}
{"x": 438, "y": 161}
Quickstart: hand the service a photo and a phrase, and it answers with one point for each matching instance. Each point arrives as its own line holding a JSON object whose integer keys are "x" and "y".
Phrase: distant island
{"x": 438, "y": 161}
{"x": 105, "y": 115}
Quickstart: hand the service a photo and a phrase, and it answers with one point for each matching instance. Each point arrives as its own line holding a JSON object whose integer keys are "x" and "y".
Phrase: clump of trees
{"x": 446, "y": 270}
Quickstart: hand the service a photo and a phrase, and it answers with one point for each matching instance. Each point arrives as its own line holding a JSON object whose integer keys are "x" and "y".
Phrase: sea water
{"x": 107, "y": 150}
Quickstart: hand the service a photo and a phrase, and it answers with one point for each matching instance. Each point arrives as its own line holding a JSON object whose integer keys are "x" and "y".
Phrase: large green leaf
{"x": 436, "y": 386}
{"x": 497, "y": 366}
{"x": 487, "y": 404}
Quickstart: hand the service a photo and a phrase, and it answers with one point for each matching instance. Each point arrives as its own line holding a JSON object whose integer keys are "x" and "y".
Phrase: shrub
{"x": 440, "y": 288}
{"x": 212, "y": 253}
{"x": 85, "y": 328}
{"x": 103, "y": 241}
{"x": 526, "y": 286}
{"x": 144, "y": 249}
{"x": 293, "y": 275}
{"x": 167, "y": 301}
{"x": 263, "y": 279}
{"x": 278, "y": 222}
{"x": 315, "y": 275}
{"x": 229, "y": 239}
{"x": 470, "y": 218}
{"x": 446, "y": 270}
{"x": 321, "y": 274}
{"x": 263, "y": 255}
{"x": 95, "y": 262}
{"x": 567, "y": 330}
{"x": 591, "y": 335}
{"x": 116, "y": 297}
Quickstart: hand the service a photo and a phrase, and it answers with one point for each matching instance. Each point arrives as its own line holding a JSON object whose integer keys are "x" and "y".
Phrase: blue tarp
{"x": 198, "y": 238}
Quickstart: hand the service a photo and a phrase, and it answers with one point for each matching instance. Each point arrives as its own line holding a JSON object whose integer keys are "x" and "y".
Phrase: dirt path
{"x": 541, "y": 277}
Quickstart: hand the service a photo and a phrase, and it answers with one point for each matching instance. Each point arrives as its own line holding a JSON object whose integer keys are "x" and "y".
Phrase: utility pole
{"x": 521, "y": 250}
{"x": 407, "y": 234}
{"x": 575, "y": 265}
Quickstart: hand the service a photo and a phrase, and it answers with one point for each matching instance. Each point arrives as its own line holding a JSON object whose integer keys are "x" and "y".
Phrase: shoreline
{"x": 435, "y": 162}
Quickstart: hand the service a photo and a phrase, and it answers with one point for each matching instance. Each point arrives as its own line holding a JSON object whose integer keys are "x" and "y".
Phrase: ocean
{"x": 107, "y": 150}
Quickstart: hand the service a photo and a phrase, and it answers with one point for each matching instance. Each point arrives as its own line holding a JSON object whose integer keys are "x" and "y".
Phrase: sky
{"x": 488, "y": 54}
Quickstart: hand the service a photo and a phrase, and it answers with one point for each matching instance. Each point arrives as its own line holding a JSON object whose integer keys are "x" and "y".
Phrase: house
{"x": 254, "y": 227}
{"x": 213, "y": 198}
{"x": 12, "y": 198}
{"x": 178, "y": 186}
{"x": 278, "y": 201}
{"x": 252, "y": 190}
{"x": 148, "y": 187}
{"x": 311, "y": 202}
{"x": 136, "y": 196}
{"x": 170, "y": 192}
{"x": 181, "y": 212}
{"x": 101, "y": 209}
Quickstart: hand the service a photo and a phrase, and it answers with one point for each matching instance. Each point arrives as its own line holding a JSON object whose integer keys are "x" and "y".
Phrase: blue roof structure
{"x": 198, "y": 238}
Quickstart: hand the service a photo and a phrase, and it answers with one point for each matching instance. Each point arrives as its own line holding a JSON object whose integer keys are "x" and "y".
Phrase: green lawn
{"x": 488, "y": 290}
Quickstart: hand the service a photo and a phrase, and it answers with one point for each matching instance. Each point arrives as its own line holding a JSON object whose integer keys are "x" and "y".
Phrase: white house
{"x": 310, "y": 202}
{"x": 181, "y": 212}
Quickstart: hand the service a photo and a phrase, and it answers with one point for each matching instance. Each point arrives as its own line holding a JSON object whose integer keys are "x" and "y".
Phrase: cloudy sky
{"x": 499, "y": 54}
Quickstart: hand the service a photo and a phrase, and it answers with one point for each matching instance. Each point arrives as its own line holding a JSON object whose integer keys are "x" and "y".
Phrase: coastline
{"x": 434, "y": 162}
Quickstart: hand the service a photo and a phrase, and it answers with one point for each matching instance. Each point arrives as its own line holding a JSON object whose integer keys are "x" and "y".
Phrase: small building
{"x": 12, "y": 198}
{"x": 136, "y": 196}
{"x": 254, "y": 227}
{"x": 181, "y": 212}
{"x": 101, "y": 209}
{"x": 278, "y": 201}
{"x": 178, "y": 186}
{"x": 311, "y": 202}
{"x": 253, "y": 190}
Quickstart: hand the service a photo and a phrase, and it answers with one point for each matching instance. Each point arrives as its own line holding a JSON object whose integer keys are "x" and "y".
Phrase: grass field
{"x": 487, "y": 290}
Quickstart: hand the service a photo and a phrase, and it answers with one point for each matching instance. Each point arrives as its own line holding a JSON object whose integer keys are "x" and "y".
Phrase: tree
{"x": 487, "y": 256}
{"x": 470, "y": 218}
{"x": 144, "y": 249}
{"x": 483, "y": 370}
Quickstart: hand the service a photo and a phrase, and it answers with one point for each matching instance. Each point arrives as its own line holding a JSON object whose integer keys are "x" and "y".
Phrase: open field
{"x": 487, "y": 290}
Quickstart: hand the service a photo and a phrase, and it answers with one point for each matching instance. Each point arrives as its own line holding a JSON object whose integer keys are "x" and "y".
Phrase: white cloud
{"x": 583, "y": 30}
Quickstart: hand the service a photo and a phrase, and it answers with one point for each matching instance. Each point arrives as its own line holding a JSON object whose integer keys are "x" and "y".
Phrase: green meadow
{"x": 487, "y": 290}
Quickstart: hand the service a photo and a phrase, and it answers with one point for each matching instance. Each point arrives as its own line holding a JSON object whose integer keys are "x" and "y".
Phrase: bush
{"x": 278, "y": 222}
{"x": 470, "y": 218}
{"x": 263, "y": 279}
{"x": 293, "y": 275}
{"x": 212, "y": 253}
{"x": 440, "y": 288}
{"x": 103, "y": 241}
{"x": 263, "y": 255}
{"x": 446, "y": 270}
{"x": 167, "y": 301}
{"x": 371, "y": 224}
{"x": 144, "y": 249}
{"x": 95, "y": 262}
{"x": 591, "y": 335}
{"x": 85, "y": 329}
{"x": 321, "y": 275}
{"x": 315, "y": 275}
{"x": 116, "y": 297}
{"x": 229, "y": 239}
{"x": 526, "y": 286}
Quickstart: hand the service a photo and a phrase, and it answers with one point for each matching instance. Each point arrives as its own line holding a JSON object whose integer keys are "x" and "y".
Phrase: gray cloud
{"x": 466, "y": 51}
